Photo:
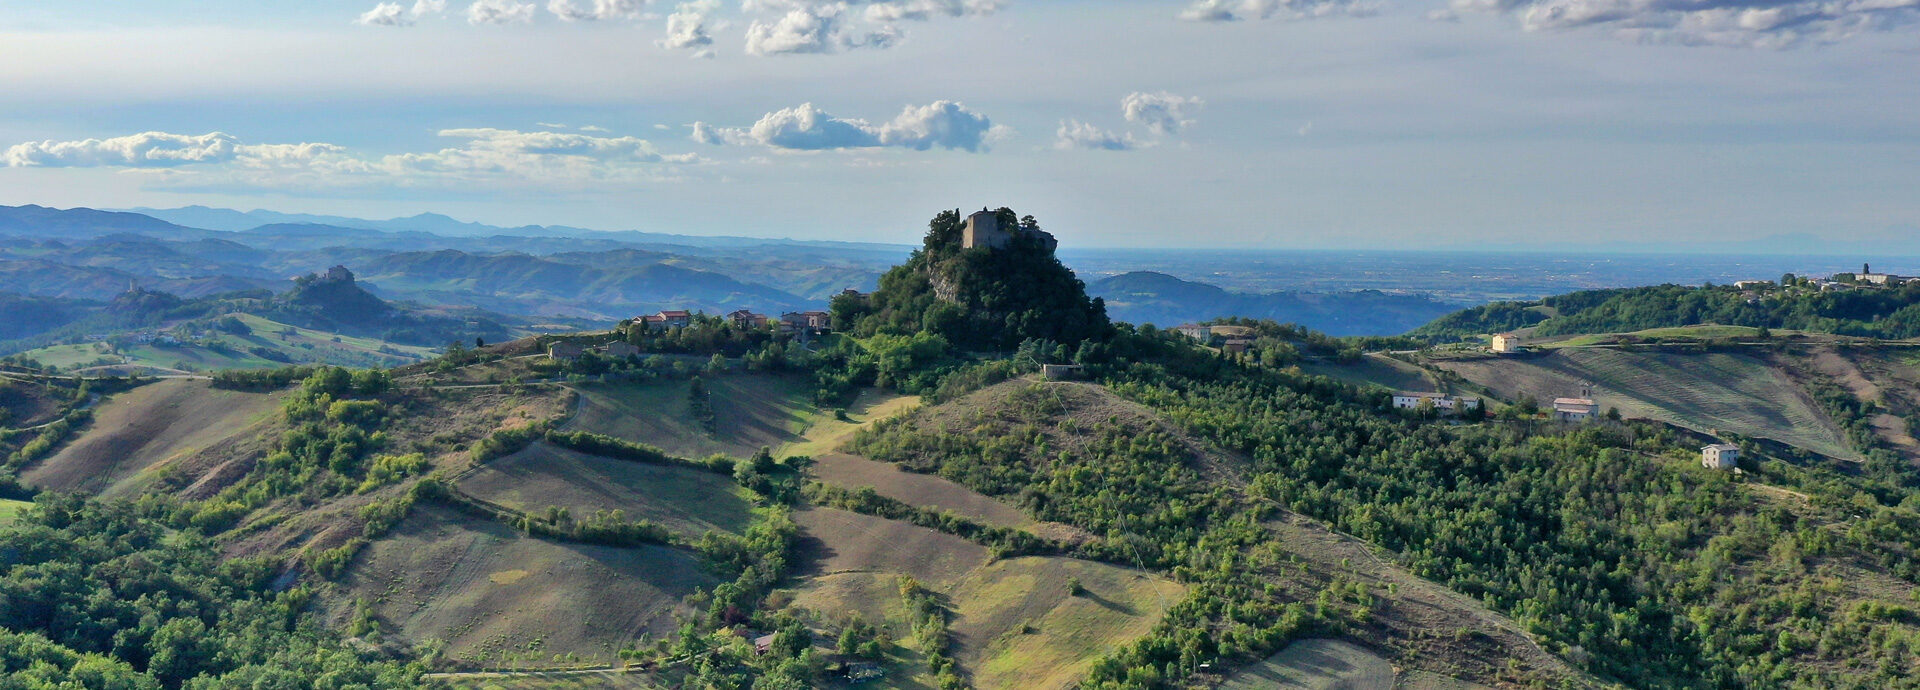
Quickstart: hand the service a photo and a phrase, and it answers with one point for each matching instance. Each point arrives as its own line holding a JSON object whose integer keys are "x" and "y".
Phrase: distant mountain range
{"x": 230, "y": 220}
{"x": 553, "y": 271}
{"x": 1167, "y": 301}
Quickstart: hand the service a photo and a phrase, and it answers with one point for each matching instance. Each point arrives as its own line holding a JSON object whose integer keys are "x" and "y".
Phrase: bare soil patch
{"x": 839, "y": 541}
{"x": 137, "y": 433}
{"x": 685, "y": 500}
{"x": 852, "y": 471}
{"x": 488, "y": 591}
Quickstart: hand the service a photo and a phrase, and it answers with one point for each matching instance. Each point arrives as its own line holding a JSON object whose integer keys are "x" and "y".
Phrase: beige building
{"x": 1720, "y": 456}
{"x": 1505, "y": 343}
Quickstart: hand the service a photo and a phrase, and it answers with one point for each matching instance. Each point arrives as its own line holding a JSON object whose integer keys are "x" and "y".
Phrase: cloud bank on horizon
{"x": 798, "y": 27}
{"x": 484, "y": 158}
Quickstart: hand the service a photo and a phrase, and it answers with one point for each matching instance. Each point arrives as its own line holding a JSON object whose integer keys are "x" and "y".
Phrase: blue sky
{"x": 1236, "y": 123}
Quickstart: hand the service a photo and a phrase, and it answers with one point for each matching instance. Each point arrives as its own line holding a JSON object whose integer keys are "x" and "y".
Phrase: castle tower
{"x": 983, "y": 229}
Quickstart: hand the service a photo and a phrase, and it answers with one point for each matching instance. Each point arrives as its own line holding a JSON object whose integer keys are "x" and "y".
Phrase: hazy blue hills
{"x": 556, "y": 271}
{"x": 25, "y": 315}
{"x": 84, "y": 223}
{"x": 609, "y": 290}
{"x": 434, "y": 223}
{"x": 1164, "y": 300}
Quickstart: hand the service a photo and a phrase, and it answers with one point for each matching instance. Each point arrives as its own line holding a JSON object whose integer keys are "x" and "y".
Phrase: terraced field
{"x": 1741, "y": 393}
{"x": 750, "y": 411}
{"x": 497, "y": 597}
{"x": 136, "y": 434}
{"x": 687, "y": 501}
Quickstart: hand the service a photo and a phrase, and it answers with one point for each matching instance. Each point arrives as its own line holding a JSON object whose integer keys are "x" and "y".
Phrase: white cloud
{"x": 922, "y": 10}
{"x": 1074, "y": 134}
{"x": 1163, "y": 112}
{"x": 802, "y": 30}
{"x": 392, "y": 14}
{"x": 155, "y": 150}
{"x": 946, "y": 124}
{"x": 1739, "y": 23}
{"x": 1238, "y": 10}
{"x": 499, "y": 12}
{"x": 828, "y": 26}
{"x": 687, "y": 27}
{"x": 566, "y": 10}
{"x": 943, "y": 124}
{"x": 385, "y": 14}
{"x": 485, "y": 158}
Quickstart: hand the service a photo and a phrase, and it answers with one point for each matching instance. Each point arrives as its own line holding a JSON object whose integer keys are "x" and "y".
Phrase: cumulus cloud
{"x": 923, "y": 10}
{"x": 1238, "y": 10}
{"x": 1163, "y": 113}
{"x": 566, "y": 10}
{"x": 802, "y": 30}
{"x": 393, "y": 14}
{"x": 1074, "y": 134}
{"x": 1738, "y": 23}
{"x": 943, "y": 124}
{"x": 687, "y": 27}
{"x": 827, "y": 26}
{"x": 483, "y": 158}
{"x": 499, "y": 12}
{"x": 155, "y": 150}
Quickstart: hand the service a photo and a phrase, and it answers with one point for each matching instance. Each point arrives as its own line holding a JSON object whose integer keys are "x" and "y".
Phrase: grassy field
{"x": 1014, "y": 622}
{"x": 751, "y": 411}
{"x": 1016, "y": 625}
{"x": 687, "y": 501}
{"x": 137, "y": 434}
{"x": 1376, "y": 369}
{"x": 10, "y": 509}
{"x": 826, "y": 434}
{"x": 296, "y": 344}
{"x": 489, "y": 592}
{"x": 1745, "y": 394}
{"x": 1317, "y": 664}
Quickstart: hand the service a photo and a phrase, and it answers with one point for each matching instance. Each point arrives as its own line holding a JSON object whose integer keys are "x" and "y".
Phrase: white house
{"x": 1573, "y": 409}
{"x": 1410, "y": 400}
{"x": 1720, "y": 456}
{"x": 1505, "y": 343}
{"x": 1195, "y": 331}
{"x": 1750, "y": 284}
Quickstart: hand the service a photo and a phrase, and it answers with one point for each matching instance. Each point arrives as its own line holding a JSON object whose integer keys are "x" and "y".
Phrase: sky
{"x": 1302, "y": 124}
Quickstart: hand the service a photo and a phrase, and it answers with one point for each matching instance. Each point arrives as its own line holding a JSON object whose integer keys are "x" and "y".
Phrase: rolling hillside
{"x": 1746, "y": 394}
